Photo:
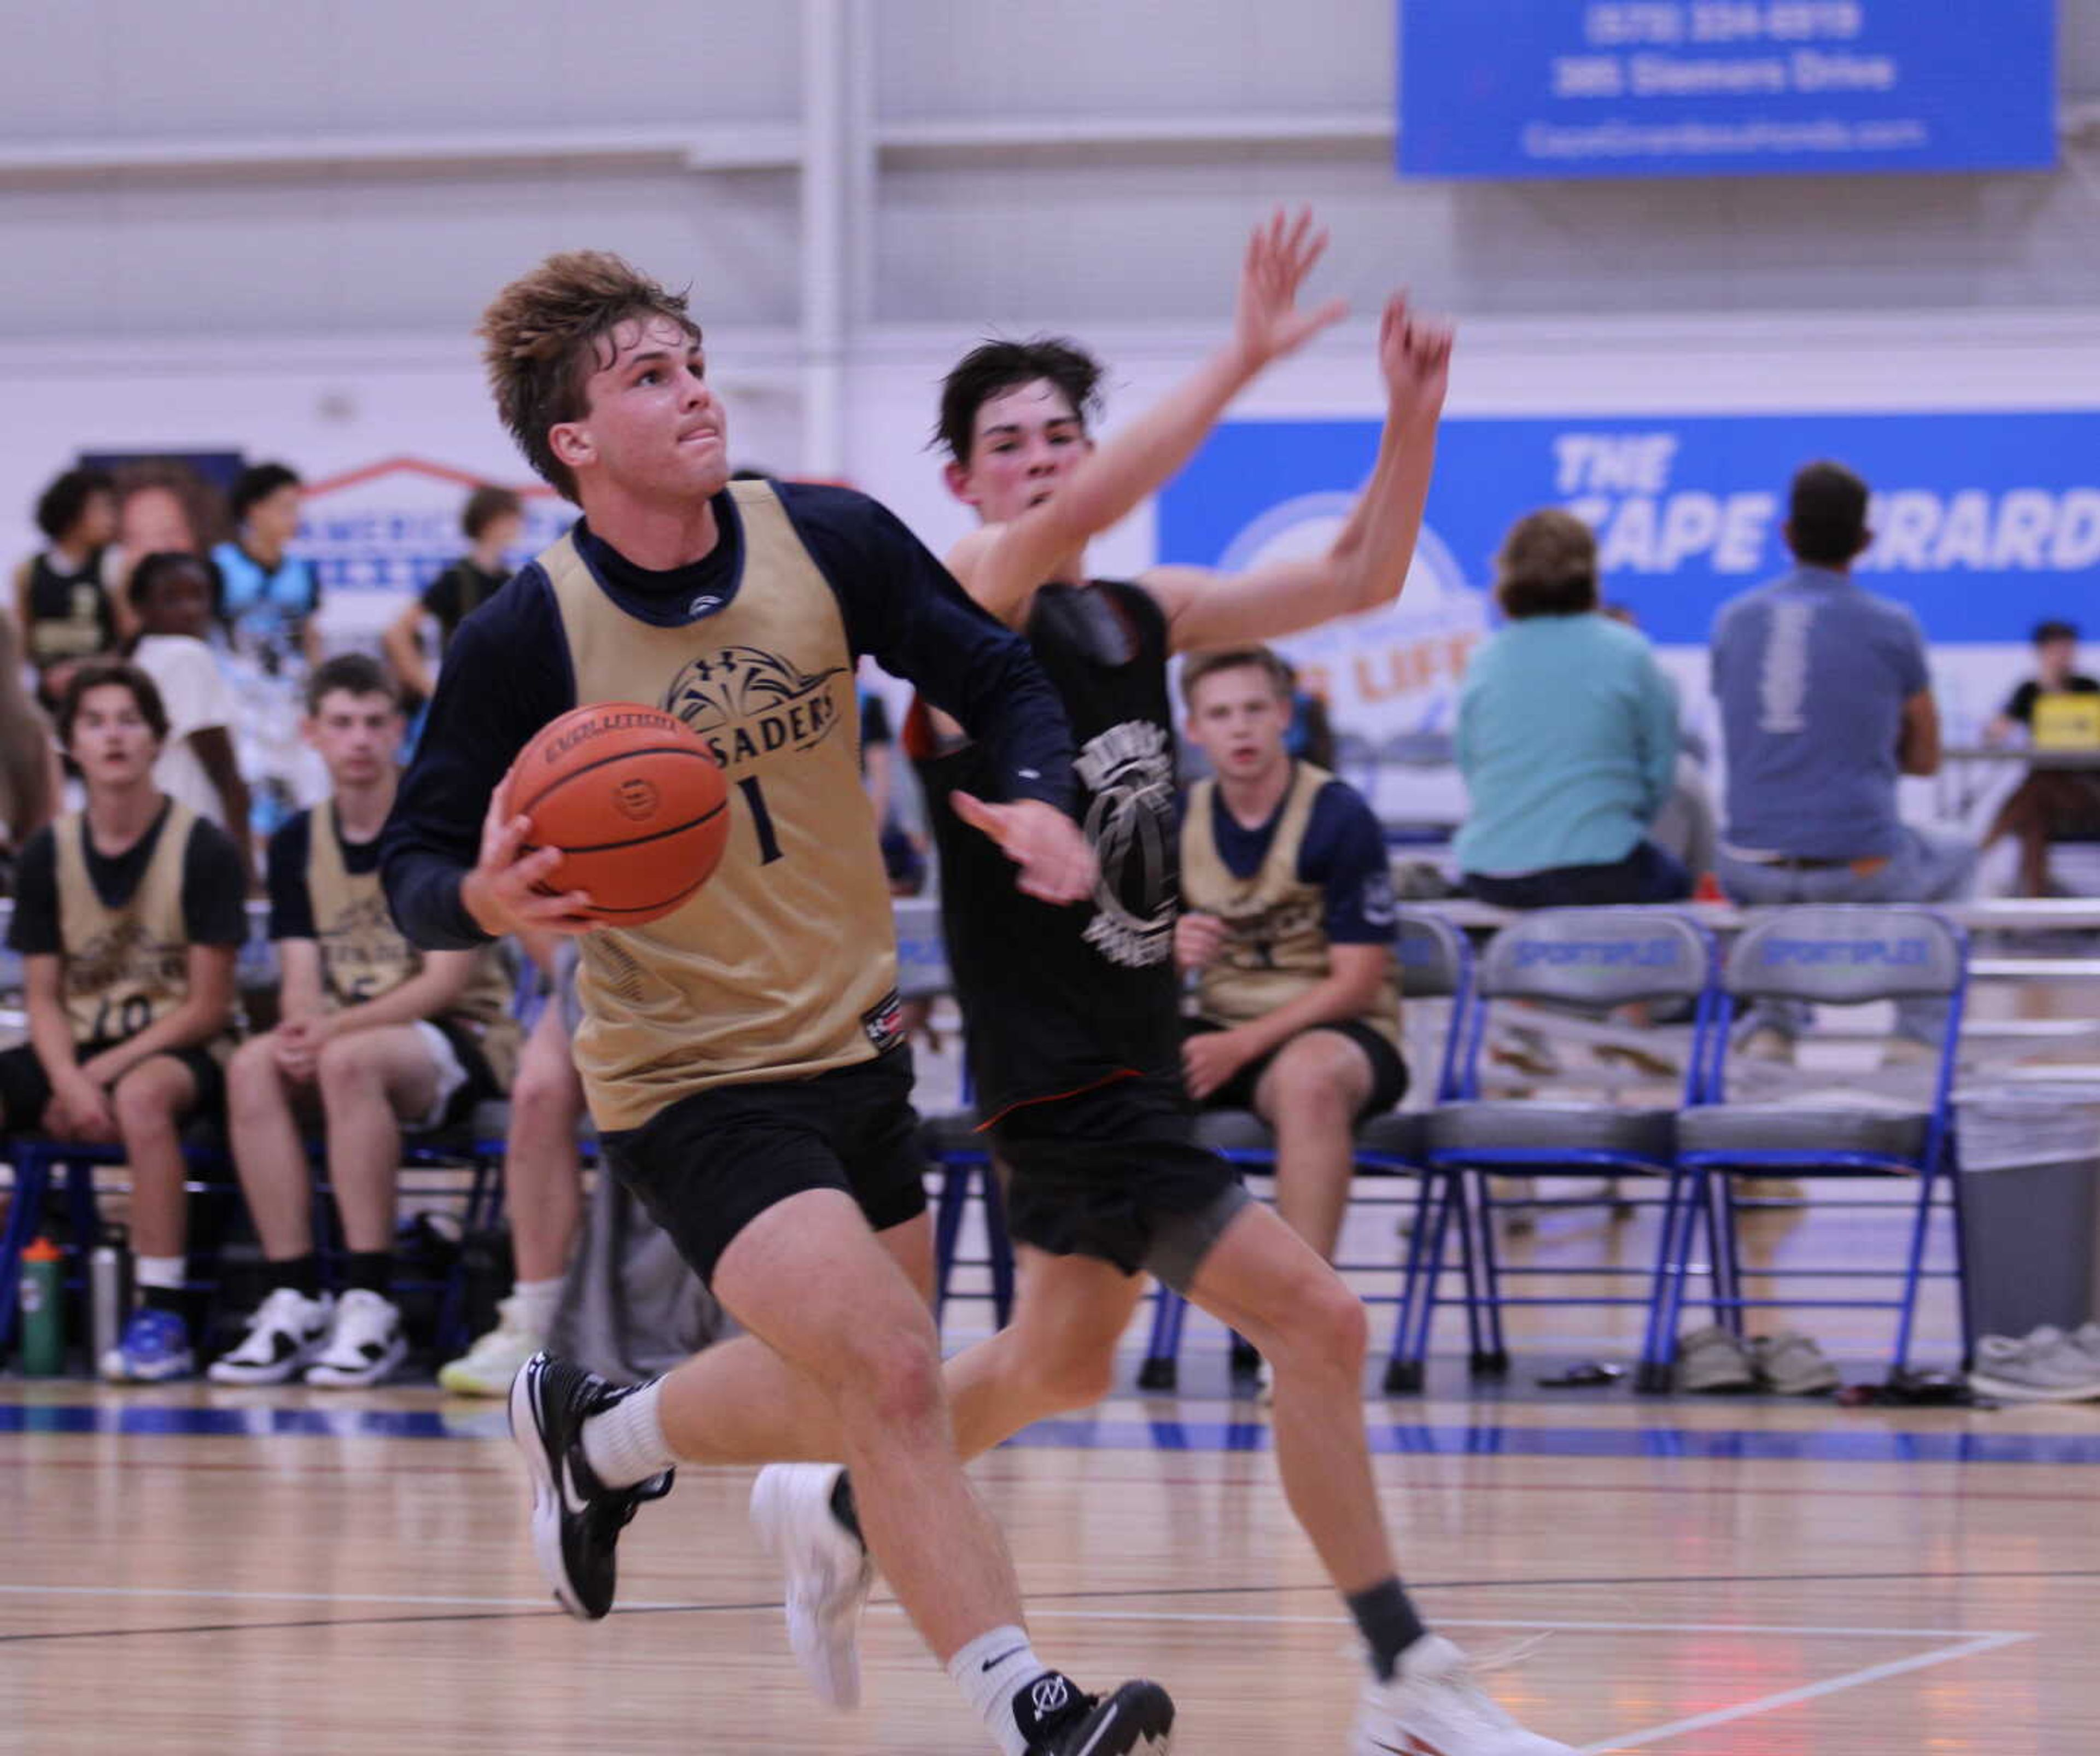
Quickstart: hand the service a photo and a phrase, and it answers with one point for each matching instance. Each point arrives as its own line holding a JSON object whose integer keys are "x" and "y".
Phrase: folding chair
{"x": 1594, "y": 958}
{"x": 1834, "y": 954}
{"x": 1435, "y": 963}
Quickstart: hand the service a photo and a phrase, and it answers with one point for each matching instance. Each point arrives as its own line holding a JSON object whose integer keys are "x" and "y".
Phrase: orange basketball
{"x": 634, "y": 799}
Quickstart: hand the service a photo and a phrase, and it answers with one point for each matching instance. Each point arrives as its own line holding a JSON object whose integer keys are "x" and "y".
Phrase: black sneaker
{"x": 576, "y": 1520}
{"x": 1060, "y": 1721}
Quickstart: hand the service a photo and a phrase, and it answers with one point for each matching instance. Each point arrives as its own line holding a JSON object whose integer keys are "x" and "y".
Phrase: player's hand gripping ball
{"x": 635, "y": 801}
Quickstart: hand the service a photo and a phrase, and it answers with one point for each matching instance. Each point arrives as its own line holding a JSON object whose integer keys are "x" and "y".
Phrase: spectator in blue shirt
{"x": 1825, "y": 702}
{"x": 1566, "y": 737}
{"x": 271, "y": 597}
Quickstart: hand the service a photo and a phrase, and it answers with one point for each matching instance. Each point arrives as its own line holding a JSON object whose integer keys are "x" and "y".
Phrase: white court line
{"x": 1807, "y": 1692}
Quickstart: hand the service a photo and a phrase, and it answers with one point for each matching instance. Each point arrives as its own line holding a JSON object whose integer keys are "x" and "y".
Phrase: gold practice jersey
{"x": 1276, "y": 944}
{"x": 784, "y": 963}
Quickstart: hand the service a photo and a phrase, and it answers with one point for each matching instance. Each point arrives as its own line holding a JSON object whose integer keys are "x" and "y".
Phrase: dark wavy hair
{"x": 994, "y": 367}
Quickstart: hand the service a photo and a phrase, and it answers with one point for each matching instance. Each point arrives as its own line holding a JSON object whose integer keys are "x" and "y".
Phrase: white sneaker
{"x": 285, "y": 1334}
{"x": 828, "y": 1572}
{"x": 363, "y": 1346}
{"x": 1432, "y": 1707}
{"x": 488, "y": 1368}
{"x": 2043, "y": 1367}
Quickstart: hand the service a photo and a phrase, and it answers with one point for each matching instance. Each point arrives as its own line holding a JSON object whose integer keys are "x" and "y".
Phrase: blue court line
{"x": 1401, "y": 1439}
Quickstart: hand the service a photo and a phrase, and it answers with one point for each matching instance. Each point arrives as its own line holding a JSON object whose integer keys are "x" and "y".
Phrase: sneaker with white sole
{"x": 2037, "y": 1368}
{"x": 490, "y": 1366}
{"x": 154, "y": 1348}
{"x": 1057, "y": 1720}
{"x": 284, "y": 1336}
{"x": 829, "y": 1572}
{"x": 365, "y": 1344}
{"x": 1433, "y": 1707}
{"x": 576, "y": 1518}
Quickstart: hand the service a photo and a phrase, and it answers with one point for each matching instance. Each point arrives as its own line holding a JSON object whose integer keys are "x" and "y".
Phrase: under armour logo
{"x": 1415, "y": 1745}
{"x": 706, "y": 604}
{"x": 1052, "y": 1692}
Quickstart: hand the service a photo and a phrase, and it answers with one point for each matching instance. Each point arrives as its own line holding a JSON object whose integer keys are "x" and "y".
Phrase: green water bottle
{"x": 43, "y": 1310}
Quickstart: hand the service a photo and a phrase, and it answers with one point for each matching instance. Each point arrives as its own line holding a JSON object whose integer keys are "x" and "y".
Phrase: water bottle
{"x": 109, "y": 1292}
{"x": 42, "y": 1294}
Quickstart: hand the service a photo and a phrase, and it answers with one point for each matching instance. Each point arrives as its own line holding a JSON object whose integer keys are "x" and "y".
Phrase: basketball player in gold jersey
{"x": 742, "y": 1055}
{"x": 1073, "y": 1015}
{"x": 1287, "y": 922}
{"x": 128, "y": 916}
{"x": 374, "y": 1036}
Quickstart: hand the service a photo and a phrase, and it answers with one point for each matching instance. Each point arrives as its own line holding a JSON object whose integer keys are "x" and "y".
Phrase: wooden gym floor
{"x": 198, "y": 1570}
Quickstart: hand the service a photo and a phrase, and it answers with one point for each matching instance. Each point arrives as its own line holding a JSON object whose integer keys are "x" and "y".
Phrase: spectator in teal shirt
{"x": 1567, "y": 738}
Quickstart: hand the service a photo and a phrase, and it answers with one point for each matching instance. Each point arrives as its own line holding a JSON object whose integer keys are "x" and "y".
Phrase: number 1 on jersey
{"x": 761, "y": 820}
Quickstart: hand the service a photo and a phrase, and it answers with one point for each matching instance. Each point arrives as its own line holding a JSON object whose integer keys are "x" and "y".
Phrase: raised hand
{"x": 1279, "y": 256}
{"x": 1414, "y": 358}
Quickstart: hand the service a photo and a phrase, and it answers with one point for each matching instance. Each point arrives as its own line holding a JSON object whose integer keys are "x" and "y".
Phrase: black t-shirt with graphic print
{"x": 1058, "y": 1000}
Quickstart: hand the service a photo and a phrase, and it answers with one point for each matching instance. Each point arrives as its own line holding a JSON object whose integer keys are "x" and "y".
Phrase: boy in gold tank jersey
{"x": 128, "y": 916}
{"x": 375, "y": 1036}
{"x": 1287, "y": 924}
{"x": 742, "y": 1056}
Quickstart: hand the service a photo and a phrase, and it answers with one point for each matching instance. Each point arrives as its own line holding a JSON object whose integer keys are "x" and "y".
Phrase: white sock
{"x": 626, "y": 1445}
{"x": 537, "y": 1302}
{"x": 166, "y": 1273}
{"x": 990, "y": 1671}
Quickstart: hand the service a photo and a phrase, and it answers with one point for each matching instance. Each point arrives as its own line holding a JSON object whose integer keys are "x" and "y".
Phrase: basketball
{"x": 634, "y": 799}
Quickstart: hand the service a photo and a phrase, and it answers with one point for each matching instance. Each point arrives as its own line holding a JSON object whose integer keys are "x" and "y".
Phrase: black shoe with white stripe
{"x": 1059, "y": 1721}
{"x": 576, "y": 1520}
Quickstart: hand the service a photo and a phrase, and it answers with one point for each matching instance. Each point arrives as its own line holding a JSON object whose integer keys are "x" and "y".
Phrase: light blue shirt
{"x": 1567, "y": 740}
{"x": 1811, "y": 673}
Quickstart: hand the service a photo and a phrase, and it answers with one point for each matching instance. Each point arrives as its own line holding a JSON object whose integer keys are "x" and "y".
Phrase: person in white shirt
{"x": 172, "y": 595}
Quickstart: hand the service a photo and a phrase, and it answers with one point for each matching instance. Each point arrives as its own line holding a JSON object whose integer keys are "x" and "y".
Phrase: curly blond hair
{"x": 544, "y": 334}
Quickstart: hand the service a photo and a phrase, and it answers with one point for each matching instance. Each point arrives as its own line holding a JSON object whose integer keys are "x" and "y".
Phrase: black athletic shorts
{"x": 1388, "y": 1071}
{"x": 1101, "y": 1173}
{"x": 25, "y": 1089}
{"x": 708, "y": 1165}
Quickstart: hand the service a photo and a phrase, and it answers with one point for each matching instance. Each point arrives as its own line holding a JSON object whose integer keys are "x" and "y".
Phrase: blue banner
{"x": 1678, "y": 88}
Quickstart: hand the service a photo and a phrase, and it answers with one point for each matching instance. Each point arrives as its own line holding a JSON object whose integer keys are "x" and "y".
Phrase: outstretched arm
{"x": 1368, "y": 564}
{"x": 1001, "y": 565}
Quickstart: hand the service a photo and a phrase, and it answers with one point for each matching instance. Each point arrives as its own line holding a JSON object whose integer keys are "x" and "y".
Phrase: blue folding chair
{"x": 1595, "y": 959}
{"x": 1435, "y": 963}
{"x": 1834, "y": 954}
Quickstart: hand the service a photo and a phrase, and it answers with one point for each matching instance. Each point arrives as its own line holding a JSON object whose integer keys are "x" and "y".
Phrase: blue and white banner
{"x": 1675, "y": 88}
{"x": 1985, "y": 524}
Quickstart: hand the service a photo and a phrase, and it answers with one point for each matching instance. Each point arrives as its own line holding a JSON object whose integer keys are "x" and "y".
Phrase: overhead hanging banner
{"x": 1505, "y": 88}
{"x": 1984, "y": 524}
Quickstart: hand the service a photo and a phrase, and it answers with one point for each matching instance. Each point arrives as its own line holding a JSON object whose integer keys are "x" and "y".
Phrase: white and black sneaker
{"x": 829, "y": 1573}
{"x": 1059, "y": 1721}
{"x": 1433, "y": 1707}
{"x": 286, "y": 1333}
{"x": 365, "y": 1344}
{"x": 576, "y": 1520}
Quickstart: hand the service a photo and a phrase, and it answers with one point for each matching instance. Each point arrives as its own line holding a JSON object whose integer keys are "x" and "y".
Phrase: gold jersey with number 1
{"x": 783, "y": 964}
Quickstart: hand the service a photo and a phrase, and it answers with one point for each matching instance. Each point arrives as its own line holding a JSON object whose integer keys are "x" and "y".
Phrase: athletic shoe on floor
{"x": 1793, "y": 1364}
{"x": 1711, "y": 1361}
{"x": 1432, "y": 1707}
{"x": 1059, "y": 1721}
{"x": 284, "y": 1336}
{"x": 576, "y": 1520}
{"x": 2040, "y": 1368}
{"x": 828, "y": 1573}
{"x": 491, "y": 1365}
{"x": 365, "y": 1344}
{"x": 155, "y": 1347}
